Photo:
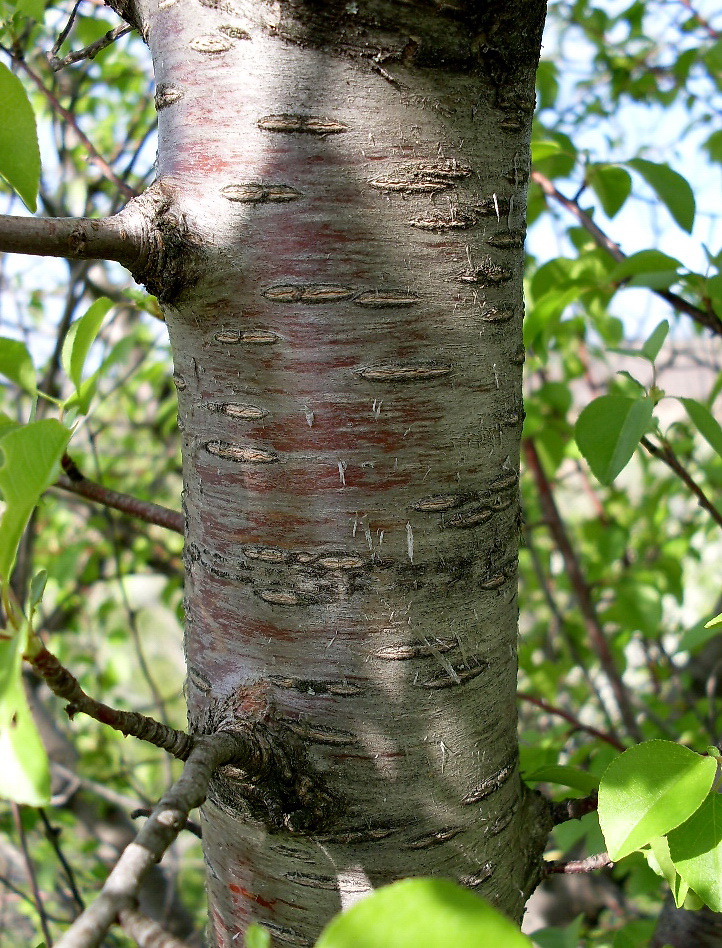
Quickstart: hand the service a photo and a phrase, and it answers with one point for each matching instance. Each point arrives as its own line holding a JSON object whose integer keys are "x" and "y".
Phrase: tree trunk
{"x": 340, "y": 214}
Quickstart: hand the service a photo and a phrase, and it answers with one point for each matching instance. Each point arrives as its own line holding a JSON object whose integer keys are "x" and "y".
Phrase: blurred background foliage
{"x": 615, "y": 580}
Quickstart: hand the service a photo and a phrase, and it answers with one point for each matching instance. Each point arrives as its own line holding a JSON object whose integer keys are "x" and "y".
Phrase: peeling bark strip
{"x": 339, "y": 251}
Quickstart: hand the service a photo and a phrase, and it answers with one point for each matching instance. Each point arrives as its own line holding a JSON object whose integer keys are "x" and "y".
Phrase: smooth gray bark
{"x": 340, "y": 212}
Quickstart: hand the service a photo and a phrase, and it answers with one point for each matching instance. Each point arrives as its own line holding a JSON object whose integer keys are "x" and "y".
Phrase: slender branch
{"x": 576, "y": 866}
{"x": 52, "y": 834}
{"x": 145, "y": 932}
{"x": 582, "y": 592}
{"x": 78, "y": 238}
{"x": 67, "y": 116}
{"x": 705, "y": 24}
{"x": 90, "y": 51}
{"x": 65, "y": 32}
{"x": 704, "y": 317}
{"x": 665, "y": 453}
{"x": 578, "y": 725}
{"x": 166, "y": 821}
{"x": 30, "y": 868}
{"x": 65, "y": 686}
{"x": 77, "y": 483}
{"x": 190, "y": 825}
{"x": 574, "y": 808}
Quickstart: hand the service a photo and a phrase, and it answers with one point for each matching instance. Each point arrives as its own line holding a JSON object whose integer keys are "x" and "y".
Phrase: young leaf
{"x": 16, "y": 364}
{"x": 24, "y": 769}
{"x": 715, "y": 623}
{"x": 654, "y": 343}
{"x": 696, "y": 850}
{"x": 434, "y": 913}
{"x": 705, "y": 422}
{"x": 257, "y": 937}
{"x": 564, "y": 775}
{"x": 611, "y": 184}
{"x": 649, "y": 790}
{"x": 19, "y": 151}
{"x": 608, "y": 431}
{"x": 31, "y": 457}
{"x": 646, "y": 267}
{"x": 671, "y": 188}
{"x": 80, "y": 338}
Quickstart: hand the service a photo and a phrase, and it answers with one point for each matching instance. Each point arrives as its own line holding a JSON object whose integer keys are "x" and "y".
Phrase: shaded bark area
{"x": 349, "y": 187}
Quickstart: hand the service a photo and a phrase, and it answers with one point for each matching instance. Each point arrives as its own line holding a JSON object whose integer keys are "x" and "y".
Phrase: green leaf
{"x": 16, "y": 364}
{"x": 31, "y": 457}
{"x": 544, "y": 149}
{"x": 24, "y": 769}
{"x": 648, "y": 267}
{"x": 649, "y": 790}
{"x": 671, "y": 188}
{"x": 636, "y": 934}
{"x": 564, "y": 775}
{"x": 715, "y": 623}
{"x": 608, "y": 431}
{"x": 80, "y": 338}
{"x": 257, "y": 937}
{"x": 19, "y": 151}
{"x": 655, "y": 341}
{"x": 611, "y": 184}
{"x": 37, "y": 587}
{"x": 660, "y": 861}
{"x": 696, "y": 850}
{"x": 553, "y": 937}
{"x": 434, "y": 913}
{"x": 705, "y": 422}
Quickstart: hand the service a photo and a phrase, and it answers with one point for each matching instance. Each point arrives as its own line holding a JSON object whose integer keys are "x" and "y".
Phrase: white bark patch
{"x": 342, "y": 465}
{"x": 308, "y": 293}
{"x": 253, "y": 192}
{"x": 404, "y": 651}
{"x": 405, "y": 372}
{"x": 249, "y": 412}
{"x": 353, "y": 885}
{"x": 410, "y": 541}
{"x": 234, "y": 32}
{"x": 477, "y": 878}
{"x": 211, "y": 43}
{"x": 267, "y": 554}
{"x": 495, "y": 314}
{"x": 341, "y": 561}
{"x": 240, "y": 453}
{"x": 302, "y": 124}
{"x": 458, "y": 220}
{"x": 279, "y": 597}
{"x": 439, "y": 502}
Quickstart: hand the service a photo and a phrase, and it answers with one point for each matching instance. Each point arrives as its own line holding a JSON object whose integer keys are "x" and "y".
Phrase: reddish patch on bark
{"x": 250, "y": 897}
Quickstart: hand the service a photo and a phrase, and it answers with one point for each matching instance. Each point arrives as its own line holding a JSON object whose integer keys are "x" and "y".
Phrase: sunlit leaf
{"x": 19, "y": 151}
{"x": 80, "y": 338}
{"x": 696, "y": 850}
{"x": 671, "y": 188}
{"x": 16, "y": 364}
{"x": 705, "y": 422}
{"x": 608, "y": 431}
{"x": 611, "y": 184}
{"x": 564, "y": 775}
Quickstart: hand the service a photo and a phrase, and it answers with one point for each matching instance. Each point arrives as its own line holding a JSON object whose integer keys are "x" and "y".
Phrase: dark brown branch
{"x": 75, "y": 238}
{"x": 582, "y": 592}
{"x": 704, "y": 317}
{"x": 145, "y": 932}
{"x": 665, "y": 453}
{"x": 65, "y": 686}
{"x": 52, "y": 834}
{"x": 168, "y": 818}
{"x": 76, "y": 483}
{"x": 575, "y": 722}
{"x": 90, "y": 51}
{"x": 574, "y": 808}
{"x": 575, "y": 866}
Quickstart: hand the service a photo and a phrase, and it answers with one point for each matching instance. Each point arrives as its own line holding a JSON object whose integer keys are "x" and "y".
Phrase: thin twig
{"x": 76, "y": 483}
{"x": 576, "y": 866}
{"x": 582, "y": 592}
{"x": 169, "y": 816}
{"x": 65, "y": 32}
{"x": 705, "y": 24}
{"x": 147, "y": 933}
{"x": 37, "y": 898}
{"x": 52, "y": 834}
{"x": 90, "y": 51}
{"x": 63, "y": 684}
{"x": 72, "y": 121}
{"x": 665, "y": 453}
{"x": 704, "y": 317}
{"x": 575, "y": 722}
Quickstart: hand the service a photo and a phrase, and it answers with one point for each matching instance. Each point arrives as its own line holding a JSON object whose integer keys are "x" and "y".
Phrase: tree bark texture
{"x": 341, "y": 208}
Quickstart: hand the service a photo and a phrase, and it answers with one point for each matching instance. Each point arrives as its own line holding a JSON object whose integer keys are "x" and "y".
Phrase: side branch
{"x": 65, "y": 686}
{"x": 665, "y": 453}
{"x": 166, "y": 821}
{"x": 79, "y": 238}
{"x": 577, "y": 866}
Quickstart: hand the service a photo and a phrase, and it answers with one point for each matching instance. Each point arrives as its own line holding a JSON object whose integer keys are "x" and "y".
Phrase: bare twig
{"x": 147, "y": 933}
{"x": 575, "y": 866}
{"x": 65, "y": 32}
{"x": 52, "y": 834}
{"x": 67, "y": 116}
{"x": 704, "y": 317}
{"x": 574, "y": 808}
{"x": 90, "y": 51}
{"x": 582, "y": 592}
{"x": 65, "y": 686}
{"x": 575, "y": 722}
{"x": 665, "y": 453}
{"x": 168, "y": 818}
{"x": 76, "y": 483}
{"x": 30, "y": 868}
